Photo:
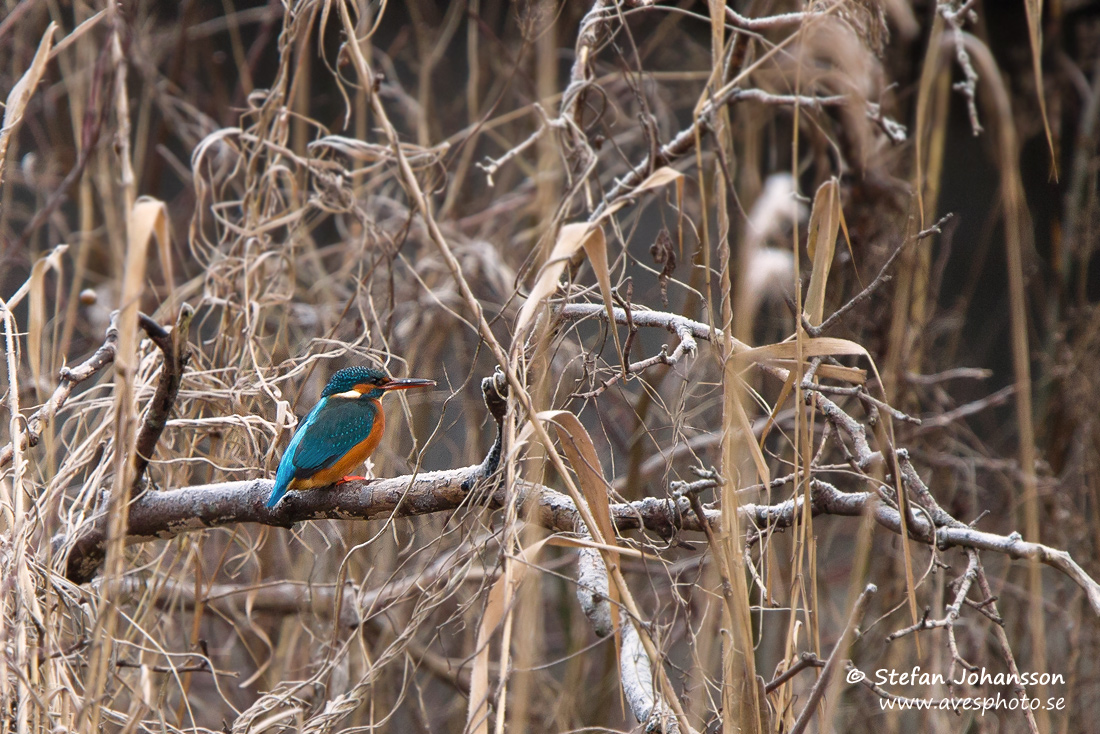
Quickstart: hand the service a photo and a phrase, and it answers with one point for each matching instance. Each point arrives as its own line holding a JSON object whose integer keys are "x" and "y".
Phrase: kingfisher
{"x": 341, "y": 431}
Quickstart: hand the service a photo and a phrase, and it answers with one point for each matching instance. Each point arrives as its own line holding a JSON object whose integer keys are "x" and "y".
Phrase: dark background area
{"x": 355, "y": 280}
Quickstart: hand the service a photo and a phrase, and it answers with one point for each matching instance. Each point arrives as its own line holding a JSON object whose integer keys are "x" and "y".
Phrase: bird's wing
{"x": 331, "y": 431}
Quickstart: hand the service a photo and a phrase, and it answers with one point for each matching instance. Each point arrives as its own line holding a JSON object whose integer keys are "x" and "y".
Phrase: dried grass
{"x": 552, "y": 192}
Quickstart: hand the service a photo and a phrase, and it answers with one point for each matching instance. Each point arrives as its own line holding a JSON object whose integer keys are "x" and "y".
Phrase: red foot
{"x": 343, "y": 480}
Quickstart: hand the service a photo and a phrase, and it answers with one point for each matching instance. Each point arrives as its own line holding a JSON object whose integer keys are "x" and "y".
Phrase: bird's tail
{"x": 282, "y": 484}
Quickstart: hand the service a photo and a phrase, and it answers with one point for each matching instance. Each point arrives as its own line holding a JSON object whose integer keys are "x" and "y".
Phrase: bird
{"x": 341, "y": 431}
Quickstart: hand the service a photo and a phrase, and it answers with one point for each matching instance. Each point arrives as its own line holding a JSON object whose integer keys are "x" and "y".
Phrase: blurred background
{"x": 294, "y": 238}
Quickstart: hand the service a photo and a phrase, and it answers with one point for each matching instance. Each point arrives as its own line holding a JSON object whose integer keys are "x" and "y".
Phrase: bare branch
{"x": 783, "y": 20}
{"x": 969, "y": 86}
{"x": 806, "y": 660}
{"x": 173, "y": 347}
{"x": 162, "y": 515}
{"x": 881, "y": 279}
{"x": 684, "y": 328}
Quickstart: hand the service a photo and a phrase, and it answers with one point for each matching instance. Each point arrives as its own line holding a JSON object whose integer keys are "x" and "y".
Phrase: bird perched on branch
{"x": 341, "y": 431}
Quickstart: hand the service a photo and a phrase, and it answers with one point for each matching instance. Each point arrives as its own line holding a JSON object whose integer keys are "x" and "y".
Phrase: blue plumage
{"x": 337, "y": 426}
{"x": 340, "y": 432}
{"x": 287, "y": 469}
{"x": 347, "y": 378}
{"x": 329, "y": 432}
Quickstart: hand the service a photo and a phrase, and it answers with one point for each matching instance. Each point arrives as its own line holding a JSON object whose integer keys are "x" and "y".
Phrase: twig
{"x": 173, "y": 347}
{"x": 631, "y": 327}
{"x": 893, "y": 129}
{"x": 806, "y": 660}
{"x": 955, "y": 373}
{"x": 716, "y": 549}
{"x": 881, "y": 279}
{"x": 859, "y": 392}
{"x": 924, "y": 623}
{"x": 989, "y": 401}
{"x": 767, "y": 23}
{"x": 627, "y": 367}
{"x": 203, "y": 667}
{"x": 880, "y": 691}
{"x": 684, "y": 328}
{"x": 983, "y": 607}
{"x": 969, "y": 86}
{"x": 492, "y": 165}
{"x": 783, "y": 100}
{"x": 953, "y": 611}
{"x": 1006, "y": 652}
{"x": 68, "y": 379}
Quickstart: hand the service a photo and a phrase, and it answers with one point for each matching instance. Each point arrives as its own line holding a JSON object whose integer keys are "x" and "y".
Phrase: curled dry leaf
{"x": 661, "y": 177}
{"x": 500, "y": 596}
{"x": 581, "y": 452}
{"x": 1034, "y": 10}
{"x": 821, "y": 245}
{"x": 664, "y": 255}
{"x": 564, "y": 541}
{"x": 571, "y": 238}
{"x": 825, "y": 346}
{"x": 21, "y": 93}
{"x": 851, "y": 375}
{"x": 36, "y": 316}
{"x": 148, "y": 219}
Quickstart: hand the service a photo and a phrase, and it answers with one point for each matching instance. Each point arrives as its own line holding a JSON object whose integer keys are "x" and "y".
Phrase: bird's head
{"x": 357, "y": 382}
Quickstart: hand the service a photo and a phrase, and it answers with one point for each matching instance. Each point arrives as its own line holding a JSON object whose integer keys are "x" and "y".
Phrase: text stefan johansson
{"x": 917, "y": 677}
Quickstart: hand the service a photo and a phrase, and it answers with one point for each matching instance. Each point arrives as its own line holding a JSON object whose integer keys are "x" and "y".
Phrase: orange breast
{"x": 350, "y": 461}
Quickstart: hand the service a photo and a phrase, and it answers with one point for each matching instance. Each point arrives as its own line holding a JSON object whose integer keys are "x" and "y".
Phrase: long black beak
{"x": 407, "y": 383}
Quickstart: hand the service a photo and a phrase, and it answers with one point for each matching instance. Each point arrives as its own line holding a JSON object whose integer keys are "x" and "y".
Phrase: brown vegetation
{"x": 765, "y": 335}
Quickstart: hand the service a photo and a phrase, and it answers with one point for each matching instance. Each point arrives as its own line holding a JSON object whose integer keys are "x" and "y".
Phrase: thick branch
{"x": 637, "y": 678}
{"x": 684, "y": 328}
{"x": 162, "y": 515}
{"x": 166, "y": 514}
{"x": 173, "y": 346}
{"x": 635, "y": 671}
